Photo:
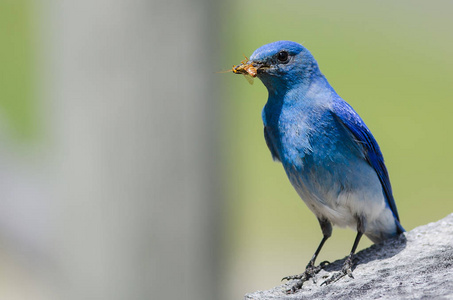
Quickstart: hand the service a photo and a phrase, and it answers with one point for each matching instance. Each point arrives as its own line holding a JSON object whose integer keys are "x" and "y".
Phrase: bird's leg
{"x": 311, "y": 270}
{"x": 348, "y": 264}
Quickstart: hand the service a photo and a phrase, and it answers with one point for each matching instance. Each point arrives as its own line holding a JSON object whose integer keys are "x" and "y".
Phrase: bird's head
{"x": 280, "y": 65}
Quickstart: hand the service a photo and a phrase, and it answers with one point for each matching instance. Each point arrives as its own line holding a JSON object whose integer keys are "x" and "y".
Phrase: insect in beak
{"x": 246, "y": 69}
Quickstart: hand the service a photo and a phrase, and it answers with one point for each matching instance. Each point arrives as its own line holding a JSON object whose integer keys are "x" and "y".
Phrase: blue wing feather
{"x": 346, "y": 115}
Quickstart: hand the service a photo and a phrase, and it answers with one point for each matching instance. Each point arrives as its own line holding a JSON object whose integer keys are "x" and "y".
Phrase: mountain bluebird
{"x": 328, "y": 153}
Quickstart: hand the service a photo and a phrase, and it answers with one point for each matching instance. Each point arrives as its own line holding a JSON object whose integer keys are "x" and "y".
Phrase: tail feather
{"x": 399, "y": 227}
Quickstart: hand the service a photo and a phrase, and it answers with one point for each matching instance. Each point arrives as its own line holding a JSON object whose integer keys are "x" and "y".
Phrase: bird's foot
{"x": 346, "y": 270}
{"x": 310, "y": 272}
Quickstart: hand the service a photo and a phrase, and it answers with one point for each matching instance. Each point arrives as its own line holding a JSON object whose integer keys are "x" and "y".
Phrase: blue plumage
{"x": 327, "y": 151}
{"x": 350, "y": 119}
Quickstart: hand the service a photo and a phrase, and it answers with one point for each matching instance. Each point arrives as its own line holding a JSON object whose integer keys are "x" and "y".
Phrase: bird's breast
{"x": 302, "y": 135}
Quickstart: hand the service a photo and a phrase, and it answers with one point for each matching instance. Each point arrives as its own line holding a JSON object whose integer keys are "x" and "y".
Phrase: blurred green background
{"x": 18, "y": 61}
{"x": 390, "y": 60}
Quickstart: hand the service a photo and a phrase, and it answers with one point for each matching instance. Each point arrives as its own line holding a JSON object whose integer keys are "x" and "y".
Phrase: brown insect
{"x": 248, "y": 70}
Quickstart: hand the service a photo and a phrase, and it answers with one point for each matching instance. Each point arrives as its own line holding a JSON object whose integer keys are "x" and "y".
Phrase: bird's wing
{"x": 344, "y": 113}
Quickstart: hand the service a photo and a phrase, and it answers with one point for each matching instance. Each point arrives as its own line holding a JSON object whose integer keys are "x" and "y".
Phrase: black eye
{"x": 283, "y": 57}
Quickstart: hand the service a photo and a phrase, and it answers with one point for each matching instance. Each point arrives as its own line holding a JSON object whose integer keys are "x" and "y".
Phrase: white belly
{"x": 343, "y": 200}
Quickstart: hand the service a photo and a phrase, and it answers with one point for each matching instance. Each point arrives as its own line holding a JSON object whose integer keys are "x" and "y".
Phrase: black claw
{"x": 295, "y": 287}
{"x": 310, "y": 272}
{"x": 334, "y": 278}
{"x": 346, "y": 270}
{"x": 286, "y": 278}
{"x": 324, "y": 263}
{"x": 300, "y": 276}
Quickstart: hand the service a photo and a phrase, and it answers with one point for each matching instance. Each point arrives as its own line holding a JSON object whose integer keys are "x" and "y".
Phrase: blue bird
{"x": 328, "y": 153}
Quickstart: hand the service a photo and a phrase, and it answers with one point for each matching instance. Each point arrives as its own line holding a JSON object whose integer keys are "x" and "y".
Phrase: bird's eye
{"x": 283, "y": 57}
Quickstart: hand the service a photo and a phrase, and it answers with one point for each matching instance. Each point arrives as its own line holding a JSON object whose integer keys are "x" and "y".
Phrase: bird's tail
{"x": 399, "y": 227}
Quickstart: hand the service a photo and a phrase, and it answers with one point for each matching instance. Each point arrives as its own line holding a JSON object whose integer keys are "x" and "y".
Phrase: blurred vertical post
{"x": 134, "y": 130}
